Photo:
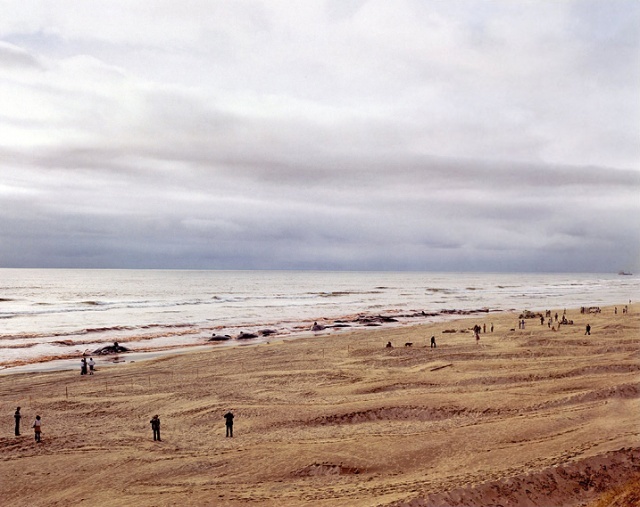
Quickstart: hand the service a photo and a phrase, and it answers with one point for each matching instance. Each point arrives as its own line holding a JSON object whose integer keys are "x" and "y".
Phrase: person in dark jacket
{"x": 17, "y": 417}
{"x": 155, "y": 426}
{"x": 229, "y": 423}
{"x": 37, "y": 429}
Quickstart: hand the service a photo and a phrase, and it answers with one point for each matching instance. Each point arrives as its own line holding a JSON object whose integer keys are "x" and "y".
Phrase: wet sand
{"x": 340, "y": 420}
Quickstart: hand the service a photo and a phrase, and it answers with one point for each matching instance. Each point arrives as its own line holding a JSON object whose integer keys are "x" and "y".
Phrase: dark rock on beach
{"x": 375, "y": 320}
{"x": 246, "y": 336}
{"x": 219, "y": 338}
{"x": 465, "y": 312}
{"x": 111, "y": 349}
{"x": 530, "y": 315}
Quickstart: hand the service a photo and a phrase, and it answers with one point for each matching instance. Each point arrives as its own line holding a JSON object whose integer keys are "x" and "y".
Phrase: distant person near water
{"x": 433, "y": 342}
{"x": 155, "y": 426}
{"x": 229, "y": 423}
{"x": 83, "y": 366}
{"x": 37, "y": 428}
{"x": 92, "y": 363}
{"x": 17, "y": 417}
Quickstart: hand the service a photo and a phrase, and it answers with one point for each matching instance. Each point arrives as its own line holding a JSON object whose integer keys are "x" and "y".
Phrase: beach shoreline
{"x": 341, "y": 420}
{"x": 342, "y": 324}
{"x": 56, "y": 314}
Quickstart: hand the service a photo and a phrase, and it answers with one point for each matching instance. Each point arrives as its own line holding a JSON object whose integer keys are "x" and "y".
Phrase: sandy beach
{"x": 521, "y": 417}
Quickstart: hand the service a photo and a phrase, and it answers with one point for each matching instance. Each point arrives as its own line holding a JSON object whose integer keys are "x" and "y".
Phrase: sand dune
{"x": 340, "y": 420}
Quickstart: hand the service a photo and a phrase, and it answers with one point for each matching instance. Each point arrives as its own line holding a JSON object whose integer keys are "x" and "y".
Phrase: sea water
{"x": 48, "y": 314}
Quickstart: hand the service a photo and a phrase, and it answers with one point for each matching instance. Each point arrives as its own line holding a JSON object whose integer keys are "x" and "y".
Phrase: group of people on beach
{"x": 155, "y": 425}
{"x": 87, "y": 366}
{"x": 37, "y": 425}
{"x": 478, "y": 328}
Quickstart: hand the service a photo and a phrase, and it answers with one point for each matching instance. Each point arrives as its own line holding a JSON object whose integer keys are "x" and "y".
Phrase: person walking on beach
{"x": 92, "y": 363}
{"x": 37, "y": 428}
{"x": 433, "y": 342}
{"x": 588, "y": 330}
{"x": 155, "y": 426}
{"x": 17, "y": 417}
{"x": 229, "y": 423}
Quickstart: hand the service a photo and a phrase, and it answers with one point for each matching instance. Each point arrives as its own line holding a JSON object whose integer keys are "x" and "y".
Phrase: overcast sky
{"x": 338, "y": 134}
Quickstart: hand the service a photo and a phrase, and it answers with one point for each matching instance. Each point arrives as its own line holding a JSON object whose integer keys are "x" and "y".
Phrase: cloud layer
{"x": 459, "y": 135}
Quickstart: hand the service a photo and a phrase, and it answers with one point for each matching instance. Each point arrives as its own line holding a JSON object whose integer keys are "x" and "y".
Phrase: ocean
{"x": 53, "y": 314}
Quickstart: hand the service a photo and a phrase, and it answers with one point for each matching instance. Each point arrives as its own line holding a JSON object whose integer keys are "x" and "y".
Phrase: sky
{"x": 458, "y": 135}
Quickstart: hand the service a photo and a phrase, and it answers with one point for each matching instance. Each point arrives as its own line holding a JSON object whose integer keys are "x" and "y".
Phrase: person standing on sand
{"x": 433, "y": 342}
{"x": 92, "y": 363}
{"x": 17, "y": 417}
{"x": 588, "y": 331}
{"x": 37, "y": 428}
{"x": 229, "y": 423}
{"x": 155, "y": 426}
{"x": 83, "y": 366}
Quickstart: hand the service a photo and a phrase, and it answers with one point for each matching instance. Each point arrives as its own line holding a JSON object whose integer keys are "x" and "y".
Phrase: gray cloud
{"x": 14, "y": 56}
{"x": 338, "y": 135}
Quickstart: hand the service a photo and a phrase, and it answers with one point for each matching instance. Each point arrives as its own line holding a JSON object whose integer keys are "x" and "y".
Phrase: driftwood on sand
{"x": 441, "y": 367}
